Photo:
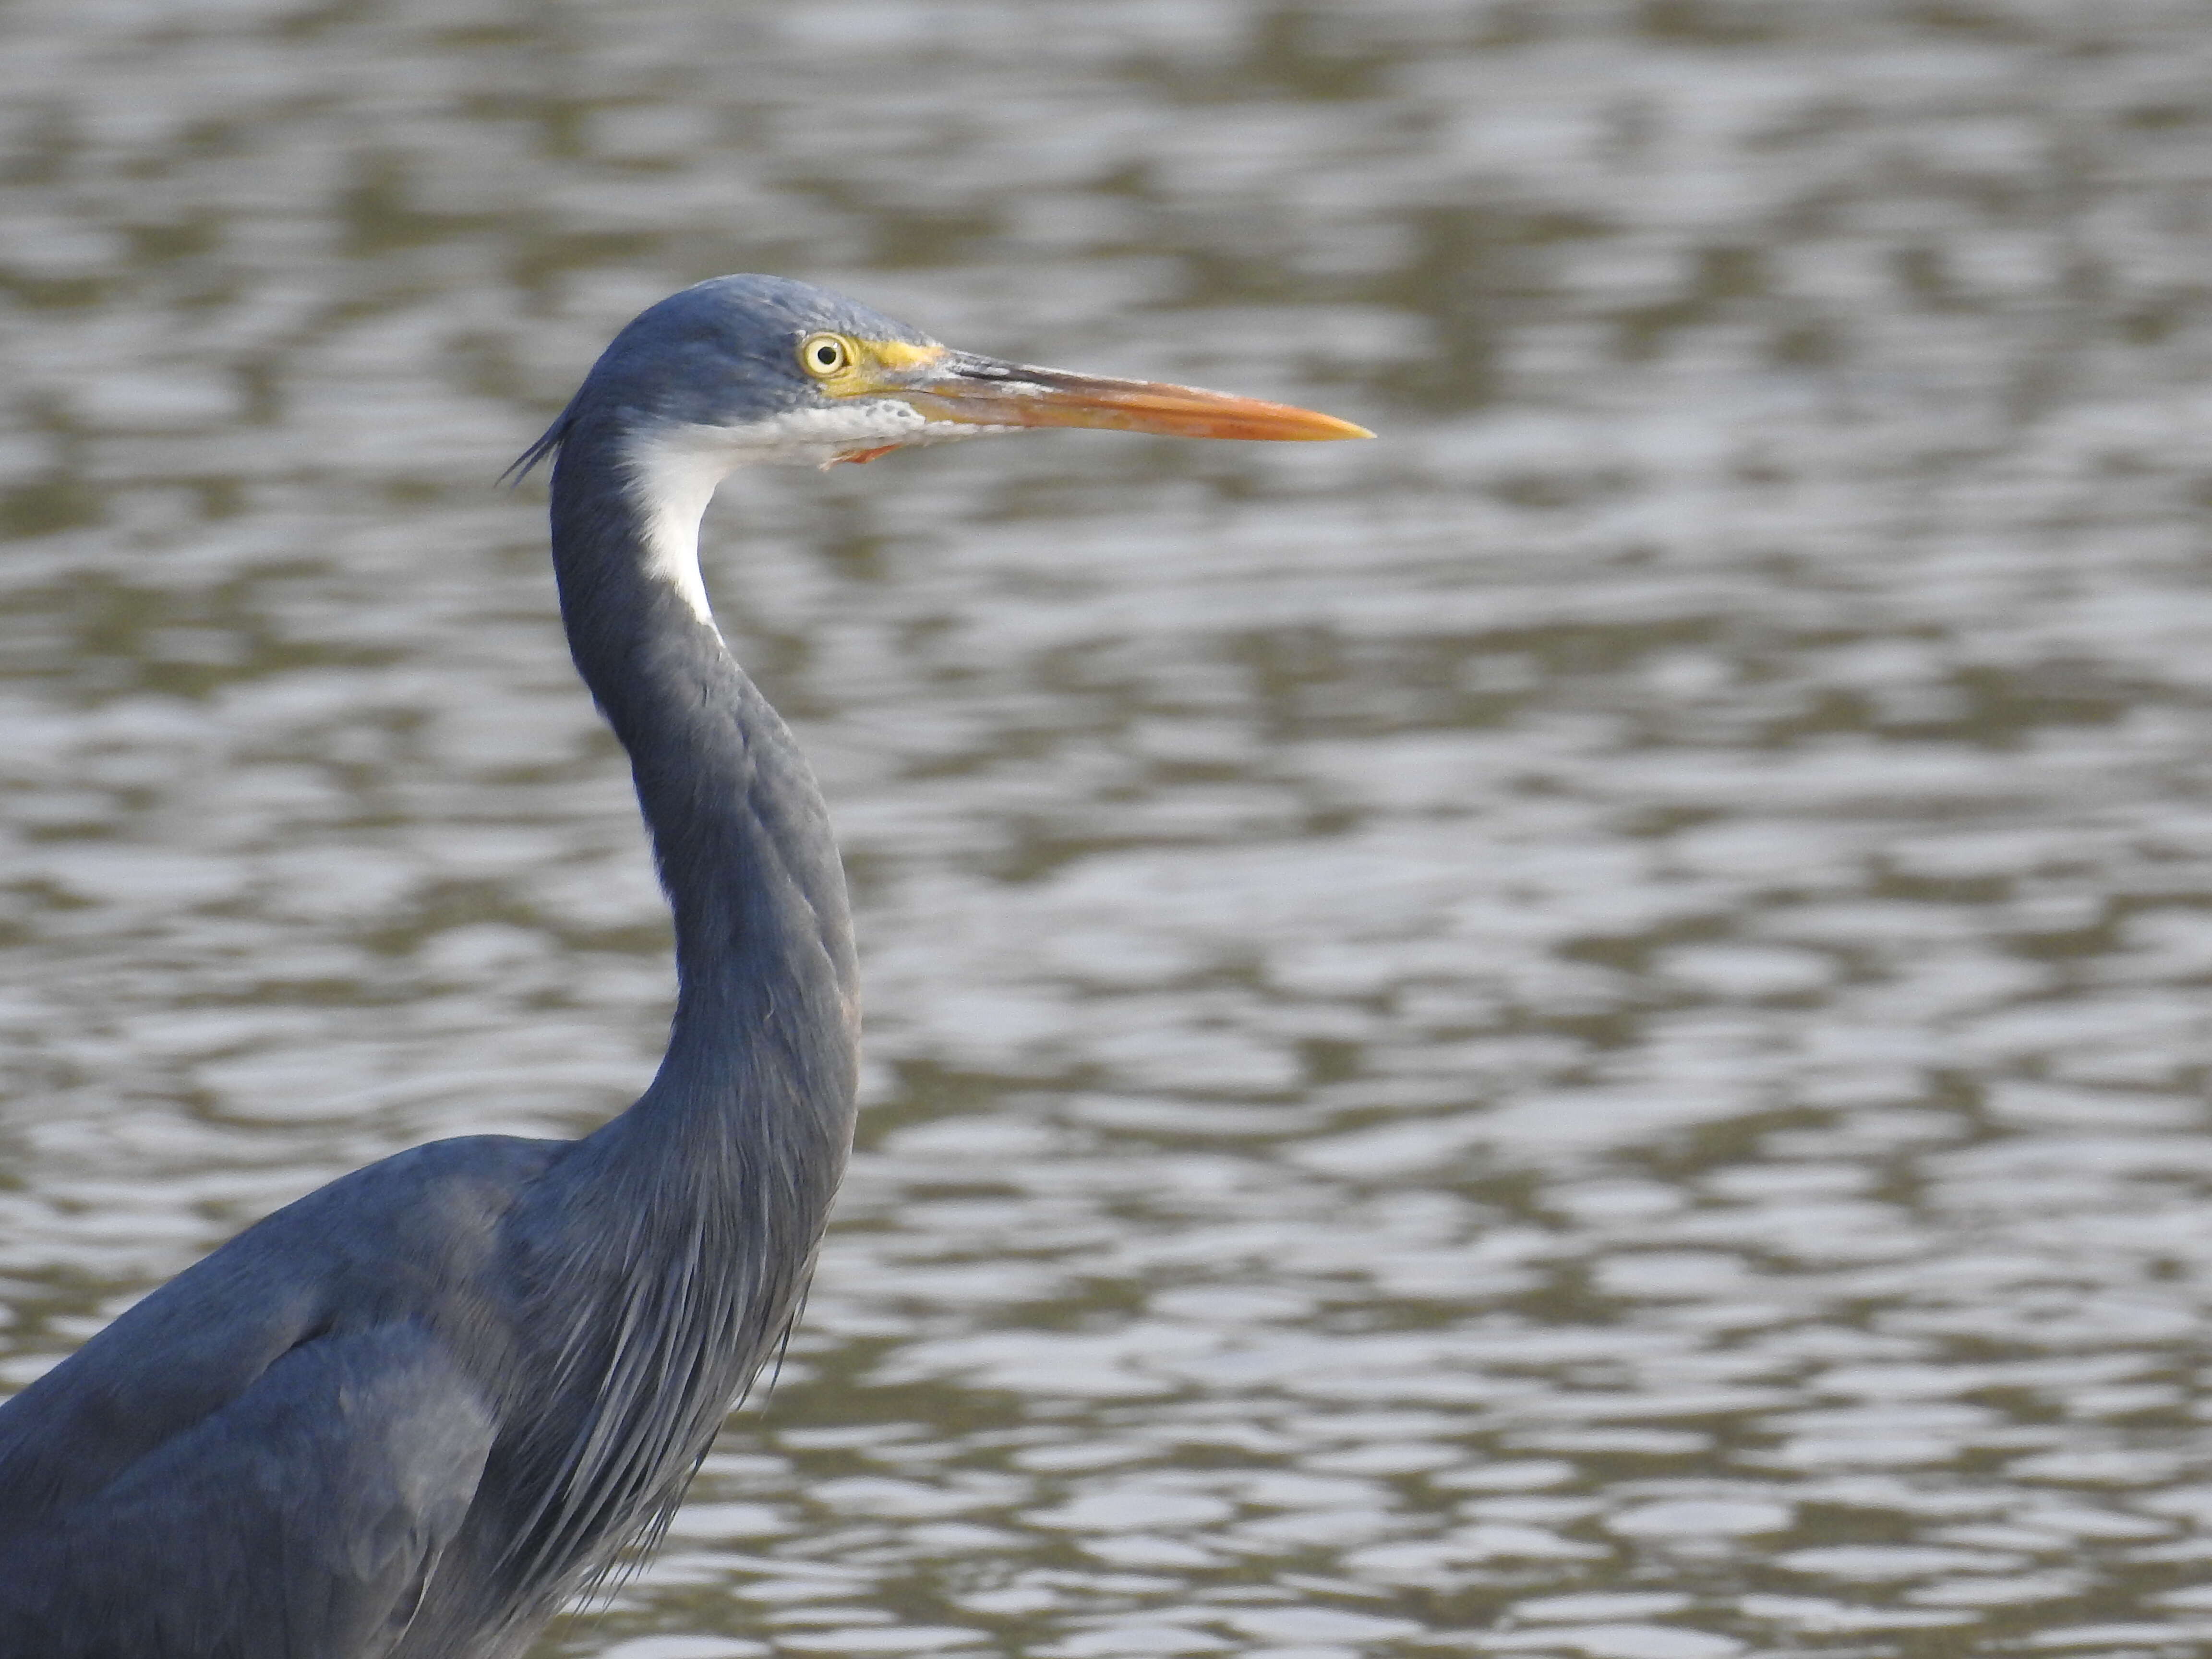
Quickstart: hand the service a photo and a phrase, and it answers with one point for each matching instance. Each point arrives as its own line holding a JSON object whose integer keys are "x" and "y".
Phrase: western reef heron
{"x": 409, "y": 1415}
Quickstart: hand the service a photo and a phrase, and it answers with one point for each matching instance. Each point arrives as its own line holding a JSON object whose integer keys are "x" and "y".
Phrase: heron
{"x": 411, "y": 1414}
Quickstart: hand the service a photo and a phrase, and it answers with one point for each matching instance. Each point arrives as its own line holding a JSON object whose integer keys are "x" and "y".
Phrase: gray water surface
{"x": 1579, "y": 1031}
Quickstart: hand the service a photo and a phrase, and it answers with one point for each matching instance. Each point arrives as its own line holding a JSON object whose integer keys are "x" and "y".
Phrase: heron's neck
{"x": 759, "y": 1077}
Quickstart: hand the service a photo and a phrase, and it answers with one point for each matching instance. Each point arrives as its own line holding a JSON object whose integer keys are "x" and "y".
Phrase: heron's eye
{"x": 824, "y": 354}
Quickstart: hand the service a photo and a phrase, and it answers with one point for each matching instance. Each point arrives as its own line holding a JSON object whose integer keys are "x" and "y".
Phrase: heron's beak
{"x": 971, "y": 390}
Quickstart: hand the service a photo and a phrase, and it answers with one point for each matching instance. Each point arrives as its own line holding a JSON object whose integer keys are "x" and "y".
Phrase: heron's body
{"x": 411, "y": 1413}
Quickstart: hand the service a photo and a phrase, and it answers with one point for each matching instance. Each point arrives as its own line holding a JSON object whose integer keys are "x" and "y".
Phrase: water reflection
{"x": 1580, "y": 1032}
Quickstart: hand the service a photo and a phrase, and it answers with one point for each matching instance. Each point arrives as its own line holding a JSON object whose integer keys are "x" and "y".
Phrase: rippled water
{"x": 1580, "y": 1031}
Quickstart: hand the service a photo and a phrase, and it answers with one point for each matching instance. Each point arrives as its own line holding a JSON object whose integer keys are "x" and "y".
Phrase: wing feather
{"x": 303, "y": 1520}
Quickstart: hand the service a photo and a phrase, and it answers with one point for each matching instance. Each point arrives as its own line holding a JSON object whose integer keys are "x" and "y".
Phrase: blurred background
{"x": 1578, "y": 1031}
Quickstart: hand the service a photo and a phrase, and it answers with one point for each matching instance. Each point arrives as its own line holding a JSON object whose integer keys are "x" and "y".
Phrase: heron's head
{"x": 743, "y": 370}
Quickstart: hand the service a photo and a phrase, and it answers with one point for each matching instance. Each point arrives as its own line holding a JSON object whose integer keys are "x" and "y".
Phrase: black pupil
{"x": 826, "y": 355}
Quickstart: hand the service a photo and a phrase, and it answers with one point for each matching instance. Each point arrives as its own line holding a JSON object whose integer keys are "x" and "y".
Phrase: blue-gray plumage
{"x": 413, "y": 1412}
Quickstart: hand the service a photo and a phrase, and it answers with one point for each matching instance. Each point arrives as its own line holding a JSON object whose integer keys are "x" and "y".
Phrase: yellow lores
{"x": 848, "y": 367}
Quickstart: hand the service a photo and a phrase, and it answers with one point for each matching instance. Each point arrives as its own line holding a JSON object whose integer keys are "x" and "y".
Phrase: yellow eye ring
{"x": 824, "y": 354}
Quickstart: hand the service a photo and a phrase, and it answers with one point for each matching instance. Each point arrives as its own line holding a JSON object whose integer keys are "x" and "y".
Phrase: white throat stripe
{"x": 671, "y": 481}
{"x": 673, "y": 470}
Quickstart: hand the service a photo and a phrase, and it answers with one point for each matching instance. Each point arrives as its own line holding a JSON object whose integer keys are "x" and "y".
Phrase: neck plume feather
{"x": 712, "y": 1190}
